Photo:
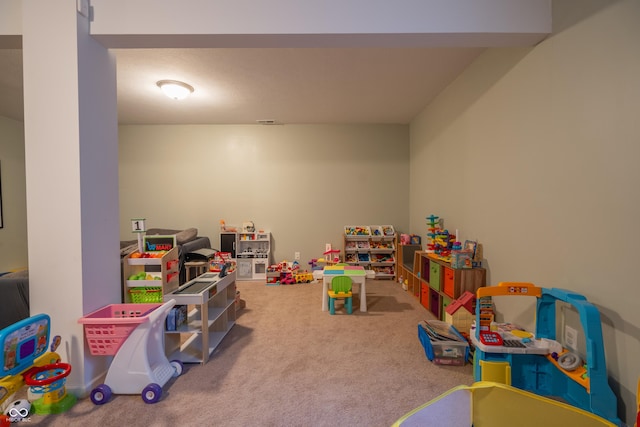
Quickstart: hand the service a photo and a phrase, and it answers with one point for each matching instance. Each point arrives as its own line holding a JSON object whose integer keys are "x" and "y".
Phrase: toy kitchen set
{"x": 253, "y": 253}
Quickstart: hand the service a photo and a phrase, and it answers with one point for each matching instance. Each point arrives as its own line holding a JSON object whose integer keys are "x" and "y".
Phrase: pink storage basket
{"x": 107, "y": 328}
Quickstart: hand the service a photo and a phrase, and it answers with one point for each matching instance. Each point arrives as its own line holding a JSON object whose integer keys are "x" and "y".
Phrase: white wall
{"x": 303, "y": 183}
{"x": 13, "y": 236}
{"x": 543, "y": 147}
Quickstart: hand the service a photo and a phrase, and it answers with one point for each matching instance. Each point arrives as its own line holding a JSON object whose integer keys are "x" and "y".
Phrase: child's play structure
{"x": 563, "y": 359}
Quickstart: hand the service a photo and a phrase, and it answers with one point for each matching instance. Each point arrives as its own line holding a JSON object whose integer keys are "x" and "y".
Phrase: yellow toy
{"x": 490, "y": 404}
{"x": 303, "y": 277}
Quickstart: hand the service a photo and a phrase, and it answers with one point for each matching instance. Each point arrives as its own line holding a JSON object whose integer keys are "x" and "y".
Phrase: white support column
{"x": 71, "y": 155}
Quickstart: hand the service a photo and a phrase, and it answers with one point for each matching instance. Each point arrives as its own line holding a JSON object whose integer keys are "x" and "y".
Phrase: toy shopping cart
{"x": 134, "y": 333}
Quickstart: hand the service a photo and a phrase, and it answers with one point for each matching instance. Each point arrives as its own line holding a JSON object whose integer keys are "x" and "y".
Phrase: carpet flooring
{"x": 287, "y": 363}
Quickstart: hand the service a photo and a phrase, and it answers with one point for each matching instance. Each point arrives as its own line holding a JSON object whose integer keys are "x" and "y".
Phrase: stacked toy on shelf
{"x": 433, "y": 226}
{"x": 440, "y": 242}
{"x": 381, "y": 245}
{"x": 351, "y": 258}
{"x": 384, "y": 230}
{"x": 351, "y": 230}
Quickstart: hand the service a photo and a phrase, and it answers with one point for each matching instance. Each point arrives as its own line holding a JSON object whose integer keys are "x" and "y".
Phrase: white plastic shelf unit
{"x": 212, "y": 314}
{"x": 373, "y": 247}
{"x": 164, "y": 270}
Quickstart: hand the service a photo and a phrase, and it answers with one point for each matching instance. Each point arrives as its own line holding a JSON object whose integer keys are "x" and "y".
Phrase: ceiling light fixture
{"x": 175, "y": 89}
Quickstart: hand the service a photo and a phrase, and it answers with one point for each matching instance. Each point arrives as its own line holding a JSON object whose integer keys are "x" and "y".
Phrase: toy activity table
{"x": 356, "y": 273}
{"x": 548, "y": 363}
{"x": 26, "y": 358}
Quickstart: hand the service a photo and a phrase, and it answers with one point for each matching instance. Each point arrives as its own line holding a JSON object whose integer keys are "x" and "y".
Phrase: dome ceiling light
{"x": 175, "y": 89}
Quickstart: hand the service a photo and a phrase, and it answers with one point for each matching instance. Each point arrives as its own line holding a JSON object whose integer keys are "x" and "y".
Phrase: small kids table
{"x": 357, "y": 275}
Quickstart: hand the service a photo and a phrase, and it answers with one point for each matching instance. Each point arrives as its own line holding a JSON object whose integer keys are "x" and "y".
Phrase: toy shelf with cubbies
{"x": 373, "y": 247}
{"x": 148, "y": 277}
{"x": 435, "y": 283}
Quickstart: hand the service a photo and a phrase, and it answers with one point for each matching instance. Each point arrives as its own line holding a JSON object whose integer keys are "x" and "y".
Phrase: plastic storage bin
{"x": 352, "y": 231}
{"x": 382, "y": 231}
{"x": 443, "y": 344}
{"x": 106, "y": 329}
{"x": 145, "y": 295}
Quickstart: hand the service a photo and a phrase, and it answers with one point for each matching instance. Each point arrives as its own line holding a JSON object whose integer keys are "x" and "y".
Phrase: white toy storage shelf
{"x": 211, "y": 315}
{"x": 373, "y": 247}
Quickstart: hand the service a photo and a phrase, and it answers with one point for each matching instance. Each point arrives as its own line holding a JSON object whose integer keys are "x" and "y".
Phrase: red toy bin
{"x": 107, "y": 328}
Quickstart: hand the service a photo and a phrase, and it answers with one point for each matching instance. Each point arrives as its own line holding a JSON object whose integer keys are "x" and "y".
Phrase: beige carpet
{"x": 287, "y": 363}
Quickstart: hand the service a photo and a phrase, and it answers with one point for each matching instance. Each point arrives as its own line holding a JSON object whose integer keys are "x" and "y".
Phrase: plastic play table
{"x": 356, "y": 273}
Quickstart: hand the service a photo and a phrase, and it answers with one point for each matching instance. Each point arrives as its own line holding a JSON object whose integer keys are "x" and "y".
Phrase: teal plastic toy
{"x": 542, "y": 370}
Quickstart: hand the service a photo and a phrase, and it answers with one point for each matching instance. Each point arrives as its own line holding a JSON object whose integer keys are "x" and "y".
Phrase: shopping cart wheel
{"x": 178, "y": 367}
{"x": 151, "y": 393}
{"x": 101, "y": 394}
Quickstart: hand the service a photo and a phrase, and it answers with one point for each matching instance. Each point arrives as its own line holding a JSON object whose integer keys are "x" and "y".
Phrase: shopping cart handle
{"x": 148, "y": 312}
{"x": 162, "y": 311}
{"x": 163, "y": 306}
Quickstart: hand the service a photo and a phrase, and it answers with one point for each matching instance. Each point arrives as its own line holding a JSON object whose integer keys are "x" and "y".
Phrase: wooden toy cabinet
{"x": 211, "y": 315}
{"x": 405, "y": 269}
{"x": 165, "y": 272}
{"x": 436, "y": 284}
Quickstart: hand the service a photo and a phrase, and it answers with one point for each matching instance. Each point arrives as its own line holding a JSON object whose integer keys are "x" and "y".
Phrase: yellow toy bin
{"x": 489, "y": 404}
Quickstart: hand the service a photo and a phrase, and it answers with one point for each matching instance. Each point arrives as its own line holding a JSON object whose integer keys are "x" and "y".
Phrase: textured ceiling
{"x": 288, "y": 85}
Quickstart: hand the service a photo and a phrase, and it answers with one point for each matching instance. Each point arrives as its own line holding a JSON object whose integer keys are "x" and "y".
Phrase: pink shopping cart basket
{"x": 107, "y": 328}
